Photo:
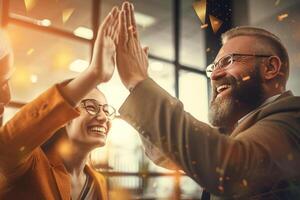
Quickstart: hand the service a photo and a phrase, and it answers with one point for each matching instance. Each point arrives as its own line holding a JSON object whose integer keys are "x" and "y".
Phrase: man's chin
{"x": 221, "y": 111}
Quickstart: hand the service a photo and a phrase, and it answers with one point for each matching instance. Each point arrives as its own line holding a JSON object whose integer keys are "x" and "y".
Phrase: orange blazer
{"x": 26, "y": 171}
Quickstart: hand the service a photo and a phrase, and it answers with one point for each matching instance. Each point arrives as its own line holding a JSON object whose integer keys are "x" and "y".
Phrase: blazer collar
{"x": 259, "y": 113}
{"x": 59, "y": 172}
{"x": 100, "y": 182}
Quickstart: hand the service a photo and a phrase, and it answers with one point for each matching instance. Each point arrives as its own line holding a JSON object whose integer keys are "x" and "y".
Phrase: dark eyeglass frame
{"x": 215, "y": 65}
{"x": 98, "y": 107}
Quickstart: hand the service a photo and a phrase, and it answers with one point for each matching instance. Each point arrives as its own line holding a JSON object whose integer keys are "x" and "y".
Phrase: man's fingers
{"x": 123, "y": 35}
{"x": 133, "y": 23}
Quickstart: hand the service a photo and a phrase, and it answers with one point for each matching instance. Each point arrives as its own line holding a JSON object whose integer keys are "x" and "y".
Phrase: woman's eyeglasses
{"x": 93, "y": 108}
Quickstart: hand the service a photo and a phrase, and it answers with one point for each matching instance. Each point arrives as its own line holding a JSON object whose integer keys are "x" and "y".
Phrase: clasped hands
{"x": 118, "y": 44}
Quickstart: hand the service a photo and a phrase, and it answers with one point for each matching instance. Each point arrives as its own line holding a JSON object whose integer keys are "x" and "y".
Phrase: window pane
{"x": 163, "y": 74}
{"x": 41, "y": 60}
{"x": 154, "y": 19}
{"x": 9, "y": 113}
{"x": 193, "y": 94}
{"x": 283, "y": 21}
{"x": 66, "y": 14}
{"x": 192, "y": 52}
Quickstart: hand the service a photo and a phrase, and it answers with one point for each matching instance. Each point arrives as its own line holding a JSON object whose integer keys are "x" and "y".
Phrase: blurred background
{"x": 53, "y": 41}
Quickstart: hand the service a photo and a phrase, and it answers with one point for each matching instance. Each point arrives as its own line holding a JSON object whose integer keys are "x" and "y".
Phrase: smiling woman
{"x": 73, "y": 143}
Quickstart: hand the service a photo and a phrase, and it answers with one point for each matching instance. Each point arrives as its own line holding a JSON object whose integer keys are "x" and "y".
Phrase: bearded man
{"x": 252, "y": 149}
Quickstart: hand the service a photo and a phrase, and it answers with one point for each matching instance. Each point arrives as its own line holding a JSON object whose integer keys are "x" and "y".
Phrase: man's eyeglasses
{"x": 93, "y": 108}
{"x": 228, "y": 60}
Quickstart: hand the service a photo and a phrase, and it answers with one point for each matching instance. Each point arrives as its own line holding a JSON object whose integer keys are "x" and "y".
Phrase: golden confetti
{"x": 290, "y": 156}
{"x": 22, "y": 148}
{"x": 246, "y": 78}
{"x": 67, "y": 14}
{"x": 282, "y": 17}
{"x": 200, "y": 9}
{"x": 204, "y": 26}
{"x": 30, "y": 51}
{"x": 29, "y": 4}
{"x": 277, "y": 2}
{"x": 215, "y": 23}
{"x": 208, "y": 50}
{"x": 244, "y": 182}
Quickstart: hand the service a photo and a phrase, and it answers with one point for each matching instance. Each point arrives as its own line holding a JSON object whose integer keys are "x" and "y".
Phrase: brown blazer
{"x": 259, "y": 160}
{"x": 26, "y": 171}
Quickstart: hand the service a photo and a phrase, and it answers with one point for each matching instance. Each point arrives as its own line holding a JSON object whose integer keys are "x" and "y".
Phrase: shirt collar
{"x": 267, "y": 101}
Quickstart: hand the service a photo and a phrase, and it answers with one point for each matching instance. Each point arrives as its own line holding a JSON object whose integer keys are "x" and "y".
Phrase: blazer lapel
{"x": 63, "y": 182}
{"x": 100, "y": 183}
{"x": 60, "y": 174}
{"x": 255, "y": 116}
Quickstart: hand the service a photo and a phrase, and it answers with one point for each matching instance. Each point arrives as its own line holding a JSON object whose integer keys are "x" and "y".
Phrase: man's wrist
{"x": 133, "y": 84}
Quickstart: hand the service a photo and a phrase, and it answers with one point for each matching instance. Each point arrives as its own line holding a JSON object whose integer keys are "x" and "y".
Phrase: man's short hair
{"x": 268, "y": 39}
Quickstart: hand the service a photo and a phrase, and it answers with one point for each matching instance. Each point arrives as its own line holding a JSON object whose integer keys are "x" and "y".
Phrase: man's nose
{"x": 217, "y": 74}
{"x": 5, "y": 93}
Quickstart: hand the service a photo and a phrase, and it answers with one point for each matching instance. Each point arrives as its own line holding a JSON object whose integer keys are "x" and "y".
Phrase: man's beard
{"x": 244, "y": 97}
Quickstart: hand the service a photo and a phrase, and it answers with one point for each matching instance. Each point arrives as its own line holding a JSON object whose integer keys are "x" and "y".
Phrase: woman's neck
{"x": 74, "y": 158}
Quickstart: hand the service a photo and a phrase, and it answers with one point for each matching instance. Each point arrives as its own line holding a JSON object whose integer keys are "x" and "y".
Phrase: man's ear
{"x": 272, "y": 68}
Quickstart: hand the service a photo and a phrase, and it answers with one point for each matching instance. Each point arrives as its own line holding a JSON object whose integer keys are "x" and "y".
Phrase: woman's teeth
{"x": 98, "y": 129}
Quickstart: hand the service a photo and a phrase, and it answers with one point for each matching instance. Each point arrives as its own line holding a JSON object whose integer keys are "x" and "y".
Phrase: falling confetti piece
{"x": 246, "y": 78}
{"x": 208, "y": 50}
{"x": 282, "y": 17}
{"x": 215, "y": 23}
{"x": 30, "y": 4}
{"x": 67, "y": 14}
{"x": 200, "y": 9}
{"x": 204, "y": 26}
{"x": 220, "y": 178}
{"x": 277, "y": 2}
{"x": 22, "y": 148}
{"x": 245, "y": 183}
{"x": 30, "y": 51}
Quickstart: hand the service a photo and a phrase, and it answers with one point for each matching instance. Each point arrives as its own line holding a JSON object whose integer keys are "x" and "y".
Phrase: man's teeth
{"x": 222, "y": 87}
